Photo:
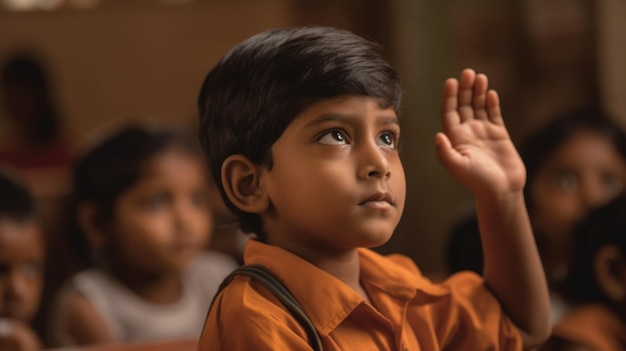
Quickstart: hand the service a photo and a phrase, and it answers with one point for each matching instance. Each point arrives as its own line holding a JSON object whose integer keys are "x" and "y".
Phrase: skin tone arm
{"x": 476, "y": 149}
{"x": 15, "y": 335}
{"x": 82, "y": 322}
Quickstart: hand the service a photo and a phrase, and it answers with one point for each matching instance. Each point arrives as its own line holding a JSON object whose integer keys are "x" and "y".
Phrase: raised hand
{"x": 475, "y": 146}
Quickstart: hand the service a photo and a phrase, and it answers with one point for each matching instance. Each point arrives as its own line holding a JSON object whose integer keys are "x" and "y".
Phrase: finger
{"x": 466, "y": 93}
{"x": 493, "y": 107}
{"x": 480, "y": 96}
{"x": 449, "y": 104}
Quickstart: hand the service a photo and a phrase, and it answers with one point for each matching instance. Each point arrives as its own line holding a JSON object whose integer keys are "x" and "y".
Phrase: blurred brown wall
{"x": 130, "y": 59}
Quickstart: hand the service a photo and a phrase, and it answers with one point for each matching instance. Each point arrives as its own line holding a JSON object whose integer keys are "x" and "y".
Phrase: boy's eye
{"x": 387, "y": 140}
{"x": 333, "y": 137}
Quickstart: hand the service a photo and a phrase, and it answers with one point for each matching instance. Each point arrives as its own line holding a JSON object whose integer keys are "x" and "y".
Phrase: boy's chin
{"x": 376, "y": 241}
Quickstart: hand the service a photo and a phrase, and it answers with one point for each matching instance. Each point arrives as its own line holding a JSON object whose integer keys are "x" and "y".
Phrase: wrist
{"x": 499, "y": 201}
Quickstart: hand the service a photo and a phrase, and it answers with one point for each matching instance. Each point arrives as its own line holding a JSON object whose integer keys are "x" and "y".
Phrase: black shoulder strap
{"x": 266, "y": 277}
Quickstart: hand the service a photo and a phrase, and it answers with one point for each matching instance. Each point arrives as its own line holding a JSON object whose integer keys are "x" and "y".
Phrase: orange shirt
{"x": 408, "y": 312}
{"x": 593, "y": 326}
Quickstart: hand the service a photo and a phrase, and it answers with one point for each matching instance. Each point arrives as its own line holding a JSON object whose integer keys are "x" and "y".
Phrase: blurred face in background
{"x": 22, "y": 256}
{"x": 585, "y": 172}
{"x": 163, "y": 221}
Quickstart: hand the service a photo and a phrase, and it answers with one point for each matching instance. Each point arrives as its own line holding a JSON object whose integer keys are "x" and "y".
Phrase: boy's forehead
{"x": 341, "y": 107}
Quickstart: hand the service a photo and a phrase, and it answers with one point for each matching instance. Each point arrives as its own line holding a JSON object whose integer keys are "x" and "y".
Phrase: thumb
{"x": 446, "y": 154}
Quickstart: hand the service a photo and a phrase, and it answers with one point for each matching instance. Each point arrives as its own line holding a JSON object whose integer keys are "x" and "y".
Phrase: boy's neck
{"x": 347, "y": 269}
{"x": 342, "y": 264}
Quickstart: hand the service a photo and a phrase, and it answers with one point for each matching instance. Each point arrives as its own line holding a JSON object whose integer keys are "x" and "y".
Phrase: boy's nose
{"x": 374, "y": 162}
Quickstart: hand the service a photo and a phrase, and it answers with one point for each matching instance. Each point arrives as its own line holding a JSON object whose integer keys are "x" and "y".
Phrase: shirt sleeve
{"x": 463, "y": 312}
{"x": 472, "y": 318}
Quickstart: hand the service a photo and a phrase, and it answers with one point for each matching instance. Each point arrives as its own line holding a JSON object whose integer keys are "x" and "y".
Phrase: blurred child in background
{"x": 575, "y": 163}
{"x": 32, "y": 141}
{"x": 596, "y": 285}
{"x": 22, "y": 256}
{"x": 141, "y": 207}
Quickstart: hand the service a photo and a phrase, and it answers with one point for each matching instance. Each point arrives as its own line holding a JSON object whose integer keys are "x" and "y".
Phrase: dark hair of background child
{"x": 24, "y": 71}
{"x": 16, "y": 203}
{"x": 605, "y": 225}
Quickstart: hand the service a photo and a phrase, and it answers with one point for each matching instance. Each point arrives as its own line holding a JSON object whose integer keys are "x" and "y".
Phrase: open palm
{"x": 475, "y": 146}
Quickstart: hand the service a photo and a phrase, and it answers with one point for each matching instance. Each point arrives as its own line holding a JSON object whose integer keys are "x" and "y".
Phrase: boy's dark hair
{"x": 16, "y": 202}
{"x": 259, "y": 87}
{"x": 110, "y": 168}
{"x": 604, "y": 225}
{"x": 542, "y": 143}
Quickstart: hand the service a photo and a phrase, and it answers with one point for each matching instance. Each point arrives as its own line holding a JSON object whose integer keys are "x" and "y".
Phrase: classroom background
{"x": 111, "y": 61}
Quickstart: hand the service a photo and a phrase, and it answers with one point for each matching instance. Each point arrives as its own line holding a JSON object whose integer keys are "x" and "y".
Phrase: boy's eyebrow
{"x": 333, "y": 117}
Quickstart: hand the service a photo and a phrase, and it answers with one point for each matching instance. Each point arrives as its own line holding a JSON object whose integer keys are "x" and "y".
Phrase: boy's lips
{"x": 379, "y": 197}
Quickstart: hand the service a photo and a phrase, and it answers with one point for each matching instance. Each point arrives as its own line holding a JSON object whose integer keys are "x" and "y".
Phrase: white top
{"x": 130, "y": 318}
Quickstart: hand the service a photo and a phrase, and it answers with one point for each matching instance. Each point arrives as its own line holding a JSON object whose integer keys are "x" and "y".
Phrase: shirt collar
{"x": 339, "y": 300}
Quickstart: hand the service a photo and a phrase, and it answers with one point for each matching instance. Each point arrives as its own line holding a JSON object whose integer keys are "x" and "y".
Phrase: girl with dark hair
{"x": 141, "y": 210}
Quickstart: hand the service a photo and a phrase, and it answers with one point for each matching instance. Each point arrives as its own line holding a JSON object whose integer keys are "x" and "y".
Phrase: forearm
{"x": 512, "y": 267}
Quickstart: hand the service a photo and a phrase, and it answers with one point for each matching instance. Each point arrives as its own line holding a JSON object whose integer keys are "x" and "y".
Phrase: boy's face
{"x": 336, "y": 182}
{"x": 22, "y": 255}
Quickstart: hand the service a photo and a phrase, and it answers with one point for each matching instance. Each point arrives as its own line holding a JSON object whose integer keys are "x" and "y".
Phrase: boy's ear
{"x": 609, "y": 267}
{"x": 89, "y": 219}
{"x": 241, "y": 181}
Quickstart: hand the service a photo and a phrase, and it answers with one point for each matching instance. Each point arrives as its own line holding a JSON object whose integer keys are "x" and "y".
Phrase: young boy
{"x": 21, "y": 266}
{"x": 301, "y": 127}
